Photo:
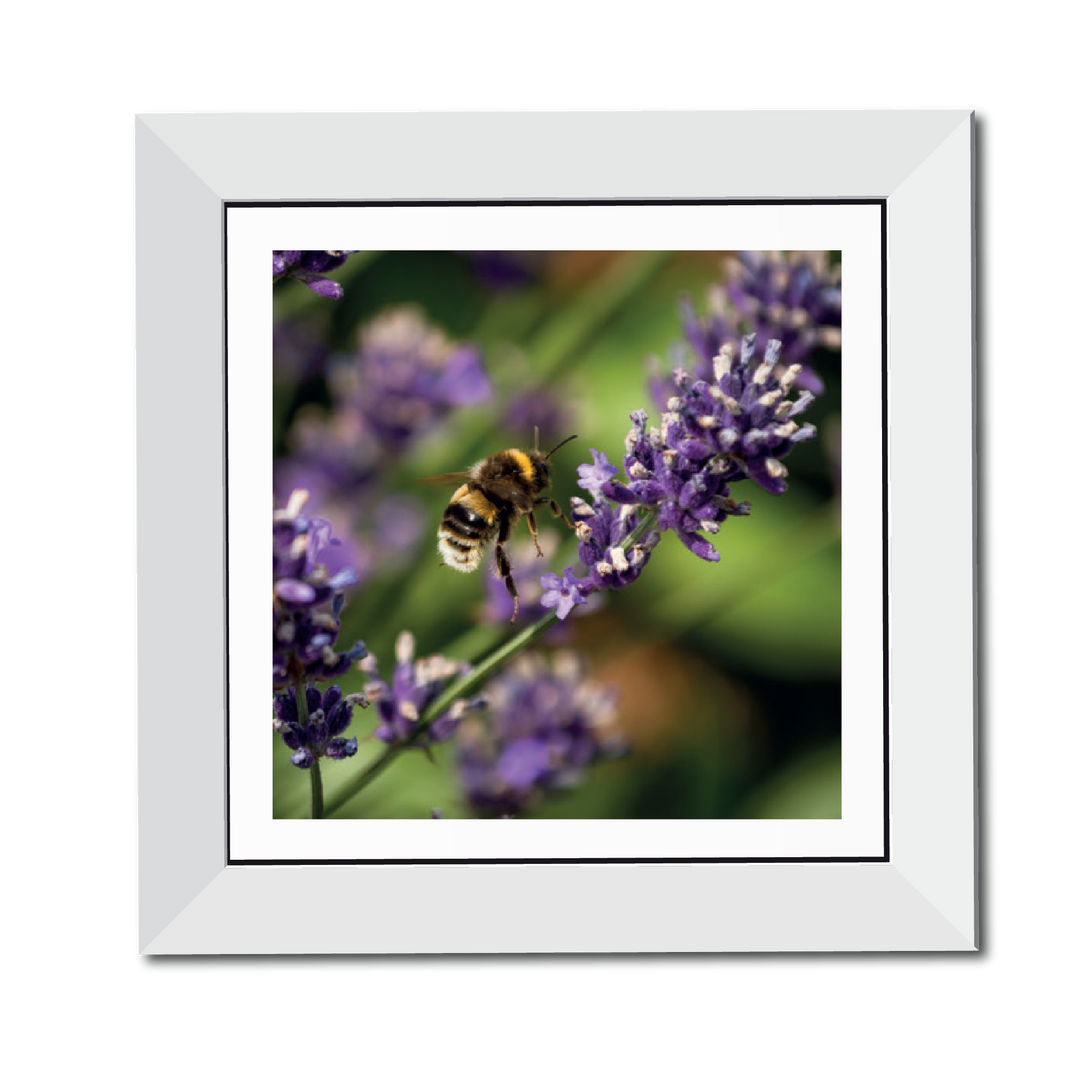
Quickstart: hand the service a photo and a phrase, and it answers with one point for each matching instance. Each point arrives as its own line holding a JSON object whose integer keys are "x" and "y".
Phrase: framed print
{"x": 598, "y": 364}
{"x": 716, "y": 687}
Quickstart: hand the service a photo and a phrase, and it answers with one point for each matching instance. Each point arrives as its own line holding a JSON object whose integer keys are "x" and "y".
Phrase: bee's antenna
{"x": 563, "y": 443}
{"x": 536, "y": 443}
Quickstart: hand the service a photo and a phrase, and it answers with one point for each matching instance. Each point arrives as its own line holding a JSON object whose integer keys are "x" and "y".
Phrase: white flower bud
{"x": 405, "y": 647}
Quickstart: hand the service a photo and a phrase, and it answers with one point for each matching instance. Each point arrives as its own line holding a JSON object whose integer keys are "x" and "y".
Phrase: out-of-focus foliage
{"x": 727, "y": 675}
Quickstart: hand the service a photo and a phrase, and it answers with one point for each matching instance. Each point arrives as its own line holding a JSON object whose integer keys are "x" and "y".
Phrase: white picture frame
{"x": 924, "y": 897}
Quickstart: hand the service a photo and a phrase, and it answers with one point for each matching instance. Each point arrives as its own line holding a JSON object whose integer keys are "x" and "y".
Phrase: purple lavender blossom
{"x": 737, "y": 425}
{"x": 307, "y": 599}
{"x": 328, "y": 715}
{"x": 793, "y": 297}
{"x": 546, "y": 725}
{"x": 562, "y": 593}
{"x": 593, "y": 477}
{"x": 405, "y": 377}
{"x": 415, "y": 685}
{"x": 310, "y": 267}
{"x": 604, "y": 547}
{"x": 290, "y": 475}
{"x": 379, "y": 531}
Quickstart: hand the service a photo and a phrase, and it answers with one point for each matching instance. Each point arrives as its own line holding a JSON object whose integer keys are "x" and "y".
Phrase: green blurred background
{"x": 728, "y": 673}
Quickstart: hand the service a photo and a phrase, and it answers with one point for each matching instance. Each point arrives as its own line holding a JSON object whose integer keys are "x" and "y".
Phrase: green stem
{"x": 641, "y": 528}
{"x": 316, "y": 776}
{"x": 316, "y": 790}
{"x": 464, "y": 686}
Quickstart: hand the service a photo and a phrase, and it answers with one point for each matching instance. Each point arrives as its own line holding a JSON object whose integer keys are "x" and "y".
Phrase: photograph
{"x": 557, "y": 534}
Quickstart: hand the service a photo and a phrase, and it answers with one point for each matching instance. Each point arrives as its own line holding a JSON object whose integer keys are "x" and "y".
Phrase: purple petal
{"x": 325, "y": 287}
{"x": 464, "y": 382}
{"x": 593, "y": 477}
{"x": 699, "y": 546}
{"x": 294, "y": 592}
{"x": 523, "y": 762}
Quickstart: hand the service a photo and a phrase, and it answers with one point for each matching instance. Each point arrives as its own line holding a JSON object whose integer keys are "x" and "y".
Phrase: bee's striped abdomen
{"x": 467, "y": 525}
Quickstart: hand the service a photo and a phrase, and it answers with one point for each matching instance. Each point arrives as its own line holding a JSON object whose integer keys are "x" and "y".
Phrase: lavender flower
{"x": 593, "y": 477}
{"x": 307, "y": 599}
{"x": 310, "y": 267}
{"x": 328, "y": 715}
{"x": 405, "y": 377}
{"x": 546, "y": 725}
{"x": 379, "y": 531}
{"x": 563, "y": 592}
{"x": 604, "y": 544}
{"x": 793, "y": 297}
{"x": 736, "y": 425}
{"x": 414, "y": 687}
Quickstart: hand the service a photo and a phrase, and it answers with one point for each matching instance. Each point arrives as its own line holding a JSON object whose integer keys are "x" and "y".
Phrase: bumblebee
{"x": 496, "y": 494}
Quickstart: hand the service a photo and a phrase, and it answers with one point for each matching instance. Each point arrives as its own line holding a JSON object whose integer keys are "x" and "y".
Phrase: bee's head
{"x": 540, "y": 460}
{"x": 541, "y": 472}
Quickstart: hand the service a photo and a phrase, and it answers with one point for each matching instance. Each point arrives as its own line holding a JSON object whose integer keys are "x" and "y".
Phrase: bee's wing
{"x": 446, "y": 478}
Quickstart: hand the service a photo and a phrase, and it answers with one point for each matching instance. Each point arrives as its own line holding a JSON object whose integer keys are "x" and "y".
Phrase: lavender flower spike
{"x": 735, "y": 424}
{"x": 738, "y": 424}
{"x": 415, "y": 685}
{"x": 793, "y": 297}
{"x": 329, "y": 715}
{"x": 546, "y": 726}
{"x": 406, "y": 376}
{"x": 604, "y": 547}
{"x": 307, "y": 599}
{"x": 310, "y": 267}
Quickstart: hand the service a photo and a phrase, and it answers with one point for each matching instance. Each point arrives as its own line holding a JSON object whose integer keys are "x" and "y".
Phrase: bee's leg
{"x": 556, "y": 512}
{"x": 532, "y": 528}
{"x": 502, "y": 564}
